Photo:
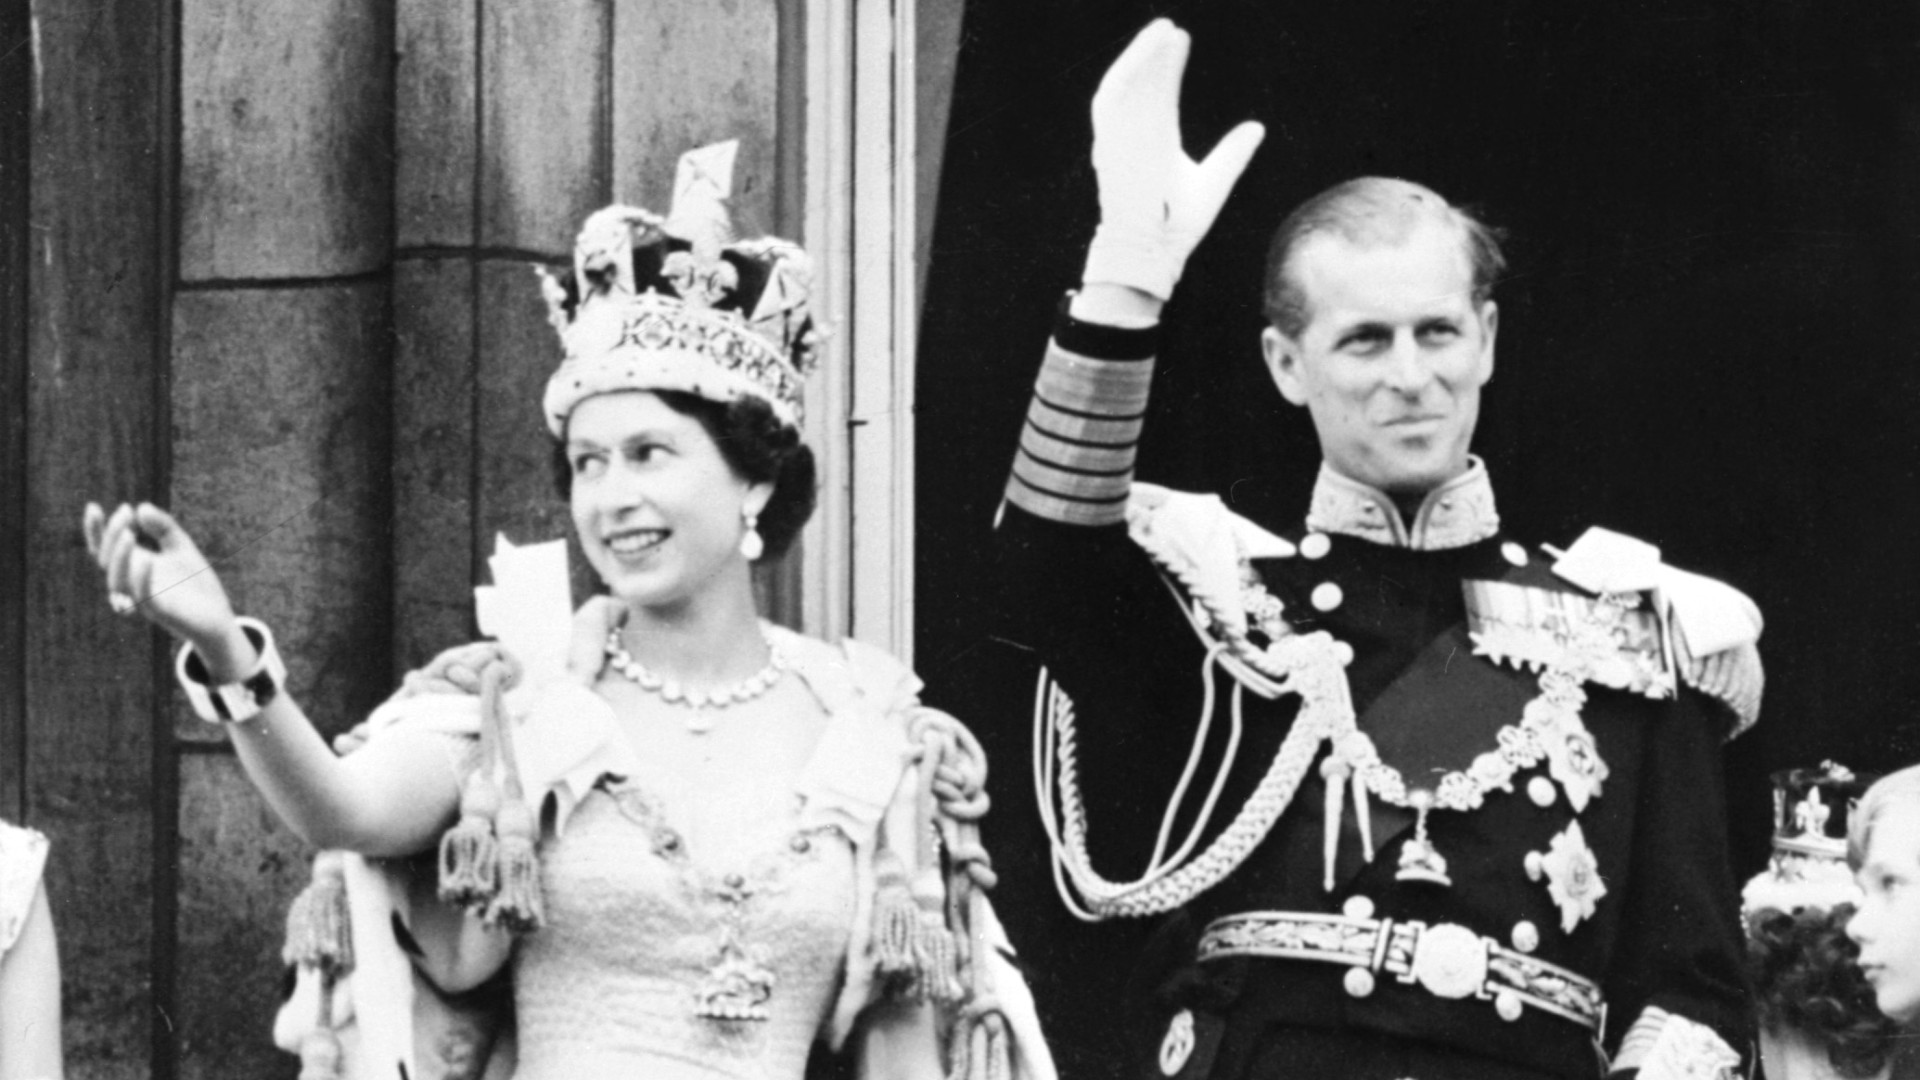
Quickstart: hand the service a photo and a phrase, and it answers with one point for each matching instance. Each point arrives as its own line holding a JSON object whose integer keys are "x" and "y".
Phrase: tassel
{"x": 999, "y": 1064}
{"x": 469, "y": 854}
{"x": 517, "y": 906}
{"x": 320, "y": 1056}
{"x": 319, "y": 931}
{"x": 939, "y": 975}
{"x": 981, "y": 1052}
{"x": 895, "y": 918}
{"x": 936, "y": 956}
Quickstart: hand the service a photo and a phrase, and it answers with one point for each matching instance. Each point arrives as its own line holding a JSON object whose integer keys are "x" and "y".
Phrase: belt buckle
{"x": 1449, "y": 961}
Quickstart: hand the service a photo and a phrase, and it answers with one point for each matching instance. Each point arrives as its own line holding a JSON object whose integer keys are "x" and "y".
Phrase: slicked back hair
{"x": 1370, "y": 211}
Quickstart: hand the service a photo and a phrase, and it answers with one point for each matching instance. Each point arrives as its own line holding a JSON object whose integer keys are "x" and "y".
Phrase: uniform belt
{"x": 1446, "y": 959}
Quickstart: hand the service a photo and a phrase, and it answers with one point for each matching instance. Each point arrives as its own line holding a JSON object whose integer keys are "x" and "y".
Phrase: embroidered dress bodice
{"x": 642, "y": 928}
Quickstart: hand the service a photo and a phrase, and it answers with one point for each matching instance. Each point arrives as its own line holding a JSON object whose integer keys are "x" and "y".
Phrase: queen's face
{"x": 657, "y": 508}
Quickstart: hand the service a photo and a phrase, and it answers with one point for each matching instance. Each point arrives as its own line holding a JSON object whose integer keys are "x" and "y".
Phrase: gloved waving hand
{"x": 1155, "y": 202}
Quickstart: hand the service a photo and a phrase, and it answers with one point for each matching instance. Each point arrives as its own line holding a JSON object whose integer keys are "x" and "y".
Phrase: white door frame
{"x": 857, "y": 553}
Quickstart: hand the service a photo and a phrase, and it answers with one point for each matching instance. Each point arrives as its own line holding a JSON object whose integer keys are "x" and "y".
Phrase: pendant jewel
{"x": 736, "y": 987}
{"x": 1419, "y": 859}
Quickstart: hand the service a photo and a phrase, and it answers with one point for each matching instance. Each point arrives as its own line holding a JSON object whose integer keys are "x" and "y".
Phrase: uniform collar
{"x": 1455, "y": 514}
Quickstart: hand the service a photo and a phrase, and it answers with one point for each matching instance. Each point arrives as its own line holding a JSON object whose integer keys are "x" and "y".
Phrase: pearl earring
{"x": 751, "y": 546}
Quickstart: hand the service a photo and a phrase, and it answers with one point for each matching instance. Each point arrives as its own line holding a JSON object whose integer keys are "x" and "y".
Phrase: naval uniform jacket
{"x": 1113, "y": 626}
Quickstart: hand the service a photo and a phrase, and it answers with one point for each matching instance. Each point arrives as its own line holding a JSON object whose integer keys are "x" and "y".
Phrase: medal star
{"x": 1573, "y": 758}
{"x": 1573, "y": 877}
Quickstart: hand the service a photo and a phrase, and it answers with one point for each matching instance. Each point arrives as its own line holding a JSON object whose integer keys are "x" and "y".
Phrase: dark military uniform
{"x": 1580, "y": 899}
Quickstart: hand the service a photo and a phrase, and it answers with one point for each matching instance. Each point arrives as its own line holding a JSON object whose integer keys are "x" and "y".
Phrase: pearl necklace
{"x": 672, "y": 692}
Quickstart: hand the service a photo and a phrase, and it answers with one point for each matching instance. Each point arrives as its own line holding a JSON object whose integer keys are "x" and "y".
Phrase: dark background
{"x": 1707, "y": 337}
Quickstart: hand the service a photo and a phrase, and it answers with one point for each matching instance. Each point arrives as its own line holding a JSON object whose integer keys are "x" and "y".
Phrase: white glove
{"x": 1155, "y": 201}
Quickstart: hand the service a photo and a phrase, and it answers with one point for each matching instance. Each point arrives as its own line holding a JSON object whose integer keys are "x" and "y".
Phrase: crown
{"x": 1811, "y": 808}
{"x": 676, "y": 303}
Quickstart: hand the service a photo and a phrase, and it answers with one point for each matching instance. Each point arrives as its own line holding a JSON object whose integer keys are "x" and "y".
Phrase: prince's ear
{"x": 1490, "y": 326}
{"x": 1282, "y": 355}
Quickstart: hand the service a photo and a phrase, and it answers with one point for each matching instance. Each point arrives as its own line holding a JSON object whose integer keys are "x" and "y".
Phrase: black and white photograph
{"x": 959, "y": 540}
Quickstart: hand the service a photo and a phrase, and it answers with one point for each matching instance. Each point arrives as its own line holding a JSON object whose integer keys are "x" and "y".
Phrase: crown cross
{"x": 1810, "y": 817}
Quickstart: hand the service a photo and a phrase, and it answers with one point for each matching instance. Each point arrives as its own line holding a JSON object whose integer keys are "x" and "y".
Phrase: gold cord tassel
{"x": 896, "y": 919}
{"x": 320, "y": 939}
{"x": 938, "y": 975}
{"x": 999, "y": 1057}
{"x": 981, "y": 1053}
{"x": 319, "y": 931}
{"x": 469, "y": 853}
{"x": 517, "y": 905}
{"x": 321, "y": 1055}
{"x": 939, "y": 961}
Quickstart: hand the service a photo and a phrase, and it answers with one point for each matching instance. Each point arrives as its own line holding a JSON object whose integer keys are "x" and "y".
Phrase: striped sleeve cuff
{"x": 1667, "y": 1046}
{"x": 1077, "y": 449}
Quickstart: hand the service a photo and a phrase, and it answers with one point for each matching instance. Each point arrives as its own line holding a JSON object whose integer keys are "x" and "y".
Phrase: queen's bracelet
{"x": 242, "y": 699}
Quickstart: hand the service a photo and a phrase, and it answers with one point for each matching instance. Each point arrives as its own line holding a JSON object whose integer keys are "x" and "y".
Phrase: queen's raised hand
{"x": 152, "y": 566}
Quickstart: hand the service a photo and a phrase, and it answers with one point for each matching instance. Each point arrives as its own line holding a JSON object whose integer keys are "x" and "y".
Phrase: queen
{"x": 700, "y": 843}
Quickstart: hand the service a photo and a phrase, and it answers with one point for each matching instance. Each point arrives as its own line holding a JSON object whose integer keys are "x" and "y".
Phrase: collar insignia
{"x": 1455, "y": 514}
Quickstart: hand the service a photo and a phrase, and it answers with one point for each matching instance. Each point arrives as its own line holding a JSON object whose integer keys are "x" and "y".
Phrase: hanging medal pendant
{"x": 1419, "y": 859}
{"x": 735, "y": 988}
{"x": 737, "y": 985}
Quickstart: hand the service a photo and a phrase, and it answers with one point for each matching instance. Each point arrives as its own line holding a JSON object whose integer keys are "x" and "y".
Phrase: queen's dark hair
{"x": 1806, "y": 976}
{"x": 757, "y": 446}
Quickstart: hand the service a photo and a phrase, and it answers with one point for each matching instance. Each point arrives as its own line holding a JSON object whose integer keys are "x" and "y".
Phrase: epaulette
{"x": 1202, "y": 545}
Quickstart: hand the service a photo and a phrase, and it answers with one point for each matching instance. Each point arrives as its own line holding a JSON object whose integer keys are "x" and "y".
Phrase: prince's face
{"x": 1393, "y": 356}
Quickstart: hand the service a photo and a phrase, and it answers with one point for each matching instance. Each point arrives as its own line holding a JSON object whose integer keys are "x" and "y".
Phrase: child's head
{"x": 1883, "y": 847}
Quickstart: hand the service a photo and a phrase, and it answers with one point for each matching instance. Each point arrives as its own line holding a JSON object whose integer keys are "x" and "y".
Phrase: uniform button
{"x": 1327, "y": 596}
{"x": 1540, "y": 790}
{"x": 1514, "y": 553}
{"x": 1526, "y": 936}
{"x": 1316, "y": 545}
{"x": 1178, "y": 1045}
{"x": 1507, "y": 1004}
{"x": 1359, "y": 981}
{"x": 1357, "y": 907}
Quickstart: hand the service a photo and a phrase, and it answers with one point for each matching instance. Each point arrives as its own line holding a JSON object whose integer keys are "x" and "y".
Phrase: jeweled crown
{"x": 1811, "y": 808}
{"x": 676, "y": 303}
